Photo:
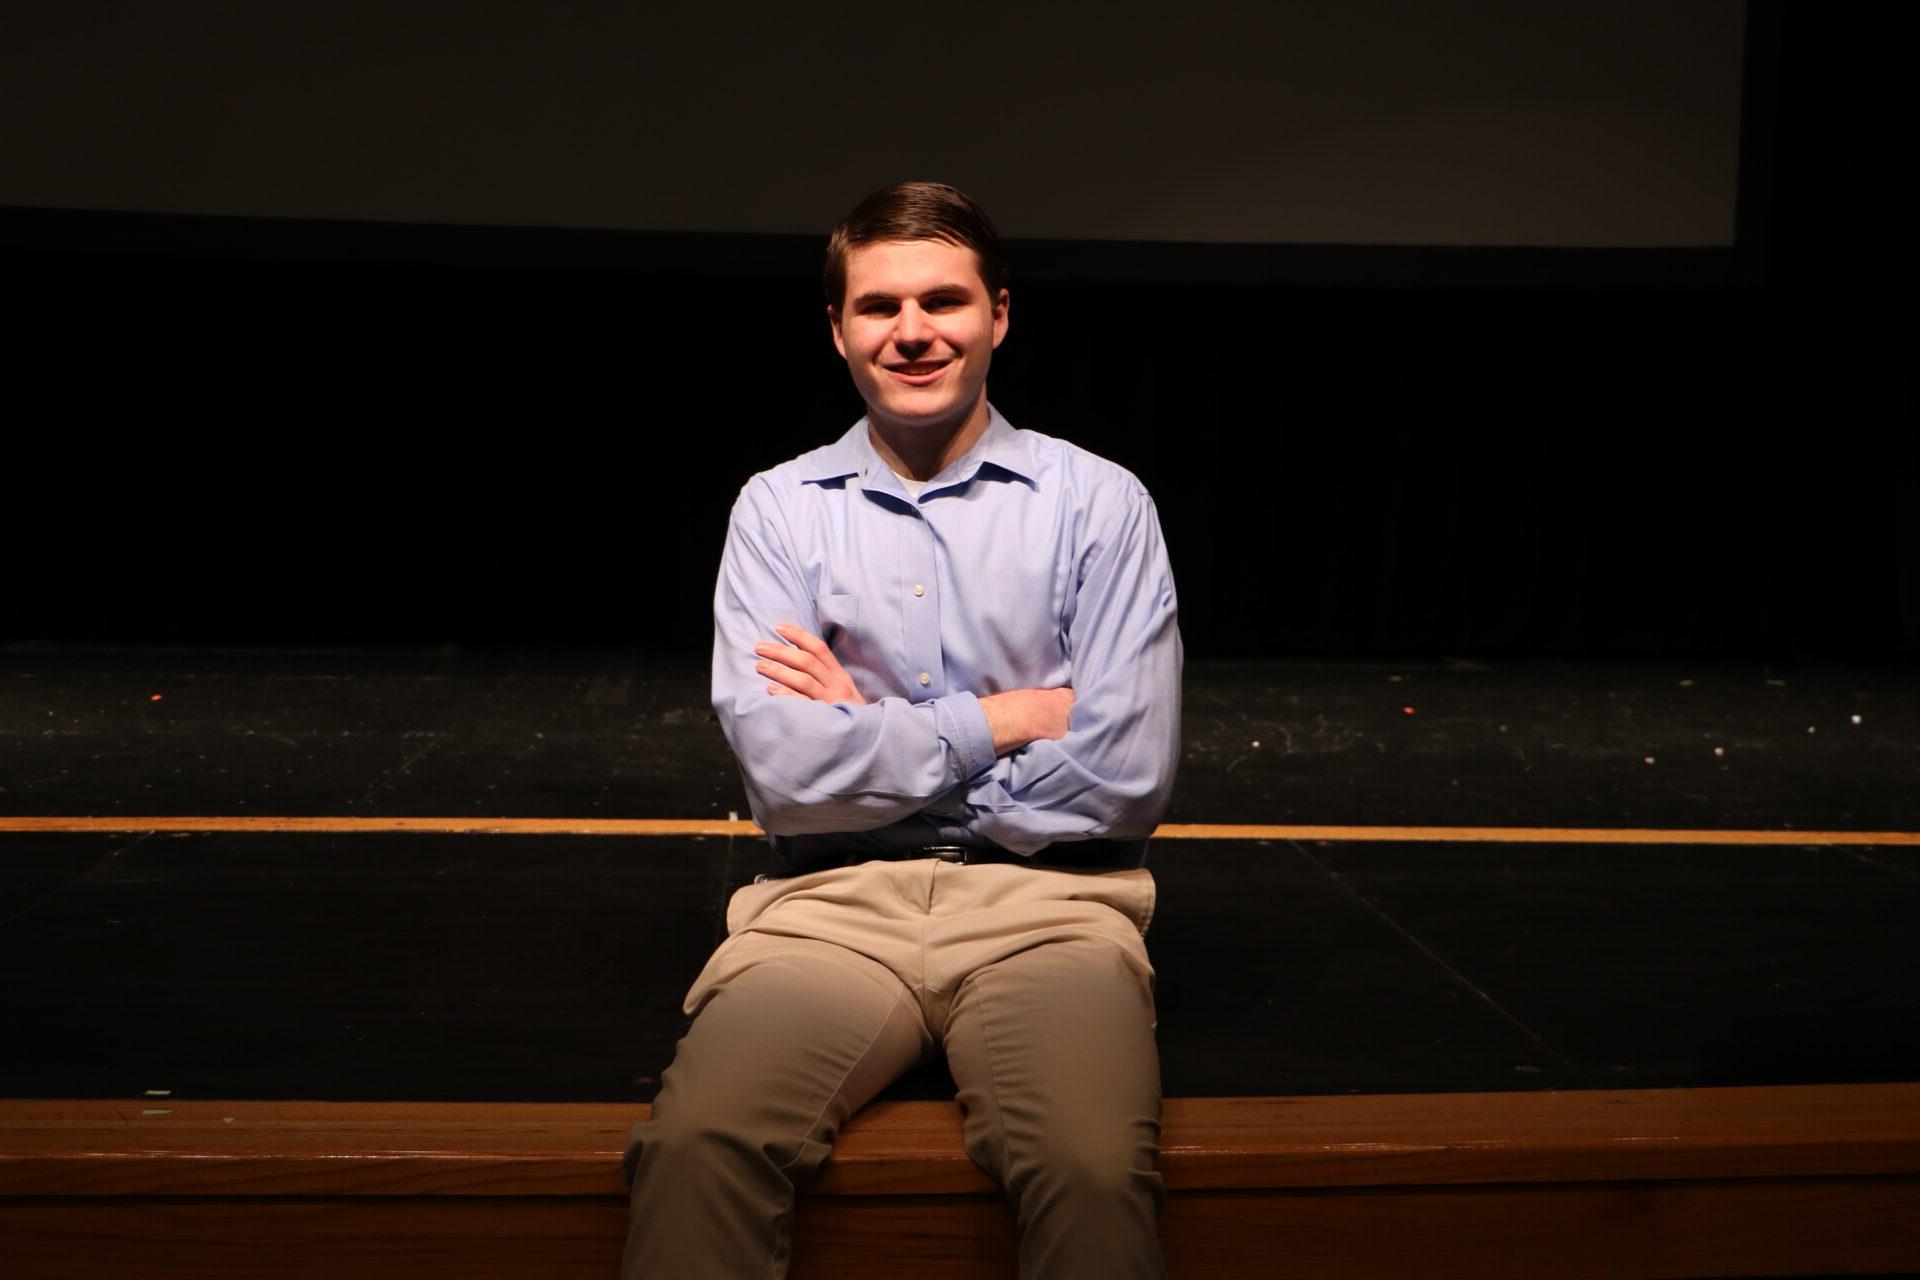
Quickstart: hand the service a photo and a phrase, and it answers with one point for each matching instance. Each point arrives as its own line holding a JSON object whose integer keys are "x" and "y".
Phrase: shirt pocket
{"x": 838, "y": 617}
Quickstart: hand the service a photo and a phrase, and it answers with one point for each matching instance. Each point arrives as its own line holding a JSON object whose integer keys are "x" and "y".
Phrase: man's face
{"x": 918, "y": 329}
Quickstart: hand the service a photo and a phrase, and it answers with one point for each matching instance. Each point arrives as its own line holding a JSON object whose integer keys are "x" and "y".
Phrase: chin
{"x": 928, "y": 410}
{"x": 912, "y": 414}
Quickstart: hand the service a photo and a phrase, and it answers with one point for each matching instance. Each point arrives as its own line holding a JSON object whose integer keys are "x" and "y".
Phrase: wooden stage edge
{"x": 1818, "y": 1179}
{"x": 1167, "y": 831}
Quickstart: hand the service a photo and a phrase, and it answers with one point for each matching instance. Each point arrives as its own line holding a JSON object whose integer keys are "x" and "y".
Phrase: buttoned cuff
{"x": 963, "y": 724}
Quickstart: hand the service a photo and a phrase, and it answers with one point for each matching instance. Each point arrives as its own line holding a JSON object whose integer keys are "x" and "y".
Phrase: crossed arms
{"x": 804, "y": 667}
{"x": 1020, "y": 768}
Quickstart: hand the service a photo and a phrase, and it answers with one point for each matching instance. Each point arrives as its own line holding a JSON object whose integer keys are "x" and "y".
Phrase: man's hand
{"x": 1021, "y": 716}
{"x": 804, "y": 667}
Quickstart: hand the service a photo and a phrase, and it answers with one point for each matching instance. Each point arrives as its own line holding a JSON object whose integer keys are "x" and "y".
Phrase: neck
{"x": 923, "y": 450}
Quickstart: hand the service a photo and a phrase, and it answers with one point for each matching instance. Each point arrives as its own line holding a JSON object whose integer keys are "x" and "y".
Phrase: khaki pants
{"x": 1036, "y": 984}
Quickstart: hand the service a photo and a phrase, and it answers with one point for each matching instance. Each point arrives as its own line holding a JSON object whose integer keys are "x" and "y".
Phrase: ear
{"x": 833, "y": 321}
{"x": 1000, "y": 305}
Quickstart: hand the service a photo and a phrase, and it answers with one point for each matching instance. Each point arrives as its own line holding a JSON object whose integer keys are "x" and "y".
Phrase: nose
{"x": 911, "y": 328}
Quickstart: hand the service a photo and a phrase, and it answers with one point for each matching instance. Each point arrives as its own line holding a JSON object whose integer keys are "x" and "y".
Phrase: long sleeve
{"x": 811, "y": 766}
{"x": 1112, "y": 774}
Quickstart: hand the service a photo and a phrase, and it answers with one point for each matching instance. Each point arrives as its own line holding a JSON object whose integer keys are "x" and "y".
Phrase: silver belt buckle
{"x": 946, "y": 852}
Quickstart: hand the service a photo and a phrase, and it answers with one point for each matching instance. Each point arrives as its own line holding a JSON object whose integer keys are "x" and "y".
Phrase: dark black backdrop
{"x": 237, "y": 430}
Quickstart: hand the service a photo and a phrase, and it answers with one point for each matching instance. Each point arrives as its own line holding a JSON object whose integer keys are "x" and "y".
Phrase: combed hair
{"x": 915, "y": 211}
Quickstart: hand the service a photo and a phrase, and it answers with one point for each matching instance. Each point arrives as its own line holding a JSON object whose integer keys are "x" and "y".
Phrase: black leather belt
{"x": 1067, "y": 855}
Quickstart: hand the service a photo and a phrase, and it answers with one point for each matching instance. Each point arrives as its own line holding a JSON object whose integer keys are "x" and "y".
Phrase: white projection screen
{"x": 1388, "y": 122}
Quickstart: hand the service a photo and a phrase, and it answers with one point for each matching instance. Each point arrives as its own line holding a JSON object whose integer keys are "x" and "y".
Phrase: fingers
{"x": 806, "y": 666}
{"x": 793, "y": 635}
{"x": 788, "y": 656}
{"x": 768, "y": 652}
{"x": 804, "y": 652}
{"x": 791, "y": 678}
{"x": 796, "y": 671}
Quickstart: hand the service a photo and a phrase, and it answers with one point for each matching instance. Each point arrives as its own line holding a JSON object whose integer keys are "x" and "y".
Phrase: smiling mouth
{"x": 922, "y": 373}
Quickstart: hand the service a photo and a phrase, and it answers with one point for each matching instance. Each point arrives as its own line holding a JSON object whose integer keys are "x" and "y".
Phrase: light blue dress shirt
{"x": 1027, "y": 564}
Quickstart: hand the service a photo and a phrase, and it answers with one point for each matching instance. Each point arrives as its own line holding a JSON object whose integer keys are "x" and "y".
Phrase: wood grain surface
{"x": 1623, "y": 1230}
{"x": 167, "y": 1147}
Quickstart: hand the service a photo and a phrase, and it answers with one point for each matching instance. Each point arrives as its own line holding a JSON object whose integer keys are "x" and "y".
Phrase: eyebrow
{"x": 879, "y": 295}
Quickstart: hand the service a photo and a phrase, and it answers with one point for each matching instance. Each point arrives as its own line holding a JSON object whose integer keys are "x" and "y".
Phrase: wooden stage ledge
{"x": 1682, "y": 1182}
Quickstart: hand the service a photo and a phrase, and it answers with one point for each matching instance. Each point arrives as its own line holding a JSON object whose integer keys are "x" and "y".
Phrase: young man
{"x": 947, "y": 657}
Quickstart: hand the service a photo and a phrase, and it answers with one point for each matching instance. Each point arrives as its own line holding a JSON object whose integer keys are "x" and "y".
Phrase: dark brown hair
{"x": 915, "y": 211}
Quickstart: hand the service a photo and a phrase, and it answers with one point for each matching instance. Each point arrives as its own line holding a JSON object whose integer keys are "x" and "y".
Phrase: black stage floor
{"x": 382, "y": 965}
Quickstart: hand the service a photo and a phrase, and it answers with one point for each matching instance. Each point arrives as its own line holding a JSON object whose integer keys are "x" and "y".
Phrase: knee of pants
{"x": 692, "y": 1147}
{"x": 1085, "y": 1174}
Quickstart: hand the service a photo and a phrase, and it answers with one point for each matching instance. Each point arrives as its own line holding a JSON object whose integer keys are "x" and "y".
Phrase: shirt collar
{"x": 1000, "y": 445}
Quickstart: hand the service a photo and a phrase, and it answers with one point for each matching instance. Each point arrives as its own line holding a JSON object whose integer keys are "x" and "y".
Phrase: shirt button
{"x": 925, "y": 678}
{"x": 919, "y": 590}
